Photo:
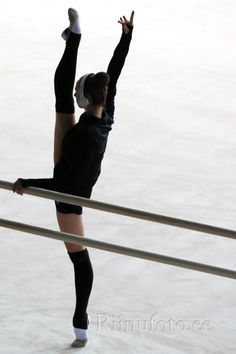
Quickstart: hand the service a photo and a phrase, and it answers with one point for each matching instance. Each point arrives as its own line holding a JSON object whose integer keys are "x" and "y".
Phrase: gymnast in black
{"x": 79, "y": 149}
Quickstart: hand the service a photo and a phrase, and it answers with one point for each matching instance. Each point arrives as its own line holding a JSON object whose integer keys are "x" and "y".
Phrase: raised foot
{"x": 74, "y": 24}
{"x": 73, "y": 15}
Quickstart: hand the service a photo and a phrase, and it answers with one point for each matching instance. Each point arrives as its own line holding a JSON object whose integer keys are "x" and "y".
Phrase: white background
{"x": 171, "y": 151}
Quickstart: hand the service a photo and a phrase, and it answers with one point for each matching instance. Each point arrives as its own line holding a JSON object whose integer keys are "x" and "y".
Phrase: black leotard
{"x": 84, "y": 144}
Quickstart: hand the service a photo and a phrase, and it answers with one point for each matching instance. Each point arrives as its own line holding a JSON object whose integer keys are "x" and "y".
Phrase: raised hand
{"x": 126, "y": 24}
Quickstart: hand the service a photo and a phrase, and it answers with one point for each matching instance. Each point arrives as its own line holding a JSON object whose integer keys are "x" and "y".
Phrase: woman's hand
{"x": 17, "y": 187}
{"x": 127, "y": 23}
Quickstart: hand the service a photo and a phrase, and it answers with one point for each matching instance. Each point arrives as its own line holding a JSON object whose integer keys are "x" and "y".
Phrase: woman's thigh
{"x": 73, "y": 224}
{"x": 64, "y": 122}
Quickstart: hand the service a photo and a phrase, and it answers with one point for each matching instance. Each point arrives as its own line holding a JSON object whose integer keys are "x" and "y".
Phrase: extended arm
{"x": 117, "y": 61}
{"x": 79, "y": 167}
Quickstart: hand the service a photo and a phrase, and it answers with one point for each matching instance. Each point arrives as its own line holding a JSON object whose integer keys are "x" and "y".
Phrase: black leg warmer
{"x": 64, "y": 79}
{"x": 83, "y": 285}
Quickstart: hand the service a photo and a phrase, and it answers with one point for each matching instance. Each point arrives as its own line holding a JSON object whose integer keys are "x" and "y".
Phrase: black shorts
{"x": 65, "y": 208}
{"x": 68, "y": 208}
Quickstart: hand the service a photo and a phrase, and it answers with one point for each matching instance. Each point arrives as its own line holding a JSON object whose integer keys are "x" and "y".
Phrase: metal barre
{"x": 63, "y": 236}
{"x": 134, "y": 213}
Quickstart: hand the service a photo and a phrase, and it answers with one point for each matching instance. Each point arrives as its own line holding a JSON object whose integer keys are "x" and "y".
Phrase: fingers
{"x": 18, "y": 188}
{"x": 14, "y": 186}
{"x": 131, "y": 18}
{"x": 124, "y": 21}
{"x": 121, "y": 21}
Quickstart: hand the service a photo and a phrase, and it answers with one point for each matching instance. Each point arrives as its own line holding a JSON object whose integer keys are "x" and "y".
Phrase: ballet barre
{"x": 105, "y": 246}
{"x": 120, "y": 210}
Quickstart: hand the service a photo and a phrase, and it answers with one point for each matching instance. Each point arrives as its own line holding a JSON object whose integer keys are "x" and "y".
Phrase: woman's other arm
{"x": 117, "y": 61}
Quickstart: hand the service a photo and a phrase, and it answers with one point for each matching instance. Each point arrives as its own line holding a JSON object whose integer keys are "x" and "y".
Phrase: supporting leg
{"x": 83, "y": 285}
{"x": 83, "y": 273}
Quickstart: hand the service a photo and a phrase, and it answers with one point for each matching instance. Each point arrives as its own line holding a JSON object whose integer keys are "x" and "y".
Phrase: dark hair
{"x": 95, "y": 88}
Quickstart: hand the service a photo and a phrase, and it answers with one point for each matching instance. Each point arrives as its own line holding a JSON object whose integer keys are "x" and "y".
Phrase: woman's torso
{"x": 83, "y": 148}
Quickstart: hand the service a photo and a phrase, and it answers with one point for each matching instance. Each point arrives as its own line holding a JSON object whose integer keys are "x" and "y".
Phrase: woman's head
{"x": 91, "y": 89}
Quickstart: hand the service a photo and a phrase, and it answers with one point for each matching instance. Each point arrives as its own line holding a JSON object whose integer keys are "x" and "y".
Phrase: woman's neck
{"x": 95, "y": 110}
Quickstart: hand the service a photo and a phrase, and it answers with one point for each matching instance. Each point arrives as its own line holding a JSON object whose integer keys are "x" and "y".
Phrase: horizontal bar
{"x": 134, "y": 213}
{"x": 105, "y": 246}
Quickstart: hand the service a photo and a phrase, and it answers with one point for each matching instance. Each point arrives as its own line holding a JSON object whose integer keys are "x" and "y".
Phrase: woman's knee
{"x": 73, "y": 224}
{"x": 74, "y": 247}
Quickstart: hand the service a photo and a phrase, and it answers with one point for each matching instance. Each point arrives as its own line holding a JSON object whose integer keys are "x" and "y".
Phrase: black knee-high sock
{"x": 65, "y": 76}
{"x": 83, "y": 285}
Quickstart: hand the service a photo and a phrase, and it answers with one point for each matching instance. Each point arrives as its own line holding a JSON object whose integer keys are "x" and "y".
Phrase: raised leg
{"x": 64, "y": 81}
{"x": 63, "y": 123}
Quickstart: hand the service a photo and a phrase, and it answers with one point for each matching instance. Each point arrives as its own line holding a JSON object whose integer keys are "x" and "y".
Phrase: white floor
{"x": 172, "y": 151}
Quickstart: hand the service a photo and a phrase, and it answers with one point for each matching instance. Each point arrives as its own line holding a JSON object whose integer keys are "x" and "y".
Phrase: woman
{"x": 79, "y": 149}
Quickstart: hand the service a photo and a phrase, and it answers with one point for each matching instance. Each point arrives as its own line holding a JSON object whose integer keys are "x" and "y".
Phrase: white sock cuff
{"x": 81, "y": 334}
{"x": 75, "y": 27}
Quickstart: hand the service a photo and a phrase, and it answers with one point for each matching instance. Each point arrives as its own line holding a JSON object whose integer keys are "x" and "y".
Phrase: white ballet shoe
{"x": 81, "y": 336}
{"x": 74, "y": 24}
{"x": 78, "y": 343}
{"x": 73, "y": 15}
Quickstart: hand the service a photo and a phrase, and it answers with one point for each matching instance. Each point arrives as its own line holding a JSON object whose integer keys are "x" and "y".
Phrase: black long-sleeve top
{"x": 84, "y": 144}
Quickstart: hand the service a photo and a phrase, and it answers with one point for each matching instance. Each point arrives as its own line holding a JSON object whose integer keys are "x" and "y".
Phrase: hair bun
{"x": 101, "y": 79}
{"x": 95, "y": 87}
